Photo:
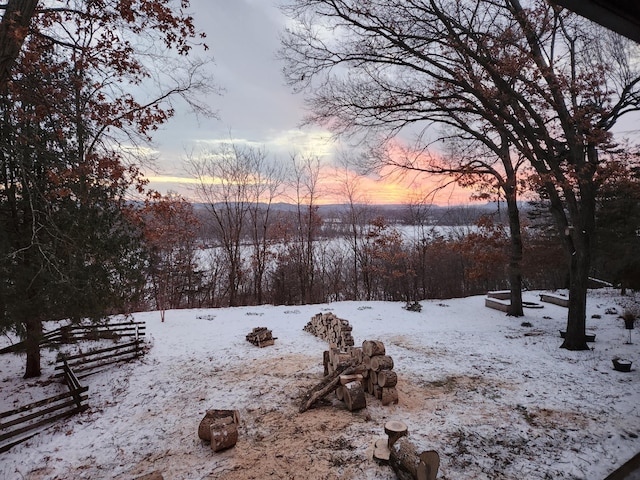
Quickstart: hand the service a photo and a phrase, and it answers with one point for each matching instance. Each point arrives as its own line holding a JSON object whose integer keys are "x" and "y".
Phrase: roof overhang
{"x": 621, "y": 16}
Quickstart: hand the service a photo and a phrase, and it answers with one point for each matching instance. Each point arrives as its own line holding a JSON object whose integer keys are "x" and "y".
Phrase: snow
{"x": 496, "y": 399}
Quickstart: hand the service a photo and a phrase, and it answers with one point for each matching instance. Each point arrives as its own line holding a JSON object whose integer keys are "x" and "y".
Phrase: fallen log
{"x": 404, "y": 459}
{"x": 409, "y": 464}
{"x": 328, "y": 384}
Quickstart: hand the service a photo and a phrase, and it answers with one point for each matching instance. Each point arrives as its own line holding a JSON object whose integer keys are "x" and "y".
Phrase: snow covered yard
{"x": 496, "y": 399}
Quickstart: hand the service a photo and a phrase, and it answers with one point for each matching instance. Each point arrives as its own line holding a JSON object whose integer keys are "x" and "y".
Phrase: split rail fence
{"x": 75, "y": 333}
{"x": 21, "y": 424}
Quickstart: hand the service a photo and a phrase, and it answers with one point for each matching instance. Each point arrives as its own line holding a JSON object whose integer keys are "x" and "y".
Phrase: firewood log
{"x": 381, "y": 362}
{"x": 431, "y": 461}
{"x": 354, "y": 396}
{"x": 388, "y": 395}
{"x": 223, "y": 436}
{"x": 404, "y": 459}
{"x": 381, "y": 451}
{"x": 395, "y": 429}
{"x": 387, "y": 378}
{"x": 372, "y": 348}
{"x": 355, "y": 377}
{"x": 327, "y": 385}
{"x": 213, "y": 416}
{"x": 325, "y": 362}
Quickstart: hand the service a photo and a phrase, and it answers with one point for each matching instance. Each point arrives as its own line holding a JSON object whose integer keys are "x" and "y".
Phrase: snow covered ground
{"x": 496, "y": 399}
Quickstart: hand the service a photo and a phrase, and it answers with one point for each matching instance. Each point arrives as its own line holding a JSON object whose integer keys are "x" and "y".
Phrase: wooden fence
{"x": 74, "y": 333}
{"x": 19, "y": 425}
{"x": 85, "y": 364}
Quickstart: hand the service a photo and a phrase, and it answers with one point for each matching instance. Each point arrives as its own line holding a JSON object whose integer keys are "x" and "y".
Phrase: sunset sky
{"x": 256, "y": 108}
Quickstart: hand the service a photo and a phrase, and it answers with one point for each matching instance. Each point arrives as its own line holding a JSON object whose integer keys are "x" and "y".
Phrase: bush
{"x": 413, "y": 306}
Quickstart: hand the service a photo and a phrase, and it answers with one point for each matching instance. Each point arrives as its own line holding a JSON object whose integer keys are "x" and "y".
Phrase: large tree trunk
{"x": 32, "y": 346}
{"x": 579, "y": 240}
{"x": 13, "y": 31}
{"x": 515, "y": 260}
{"x": 575, "y": 338}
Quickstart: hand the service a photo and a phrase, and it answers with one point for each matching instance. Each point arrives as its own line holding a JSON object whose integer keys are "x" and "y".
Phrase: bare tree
{"x": 266, "y": 186}
{"x": 306, "y": 191}
{"x": 542, "y": 81}
{"x": 224, "y": 178}
{"x": 356, "y": 217}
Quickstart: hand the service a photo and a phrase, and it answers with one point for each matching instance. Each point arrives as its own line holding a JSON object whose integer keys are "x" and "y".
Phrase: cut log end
{"x": 395, "y": 429}
{"x": 381, "y": 451}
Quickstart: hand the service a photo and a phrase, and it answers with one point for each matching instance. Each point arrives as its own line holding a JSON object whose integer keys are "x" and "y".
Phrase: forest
{"x": 367, "y": 252}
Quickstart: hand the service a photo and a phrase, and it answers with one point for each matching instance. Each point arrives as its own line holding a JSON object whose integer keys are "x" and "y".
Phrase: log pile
{"x": 377, "y": 377}
{"x": 261, "y": 337}
{"x": 220, "y": 427}
{"x": 335, "y": 331}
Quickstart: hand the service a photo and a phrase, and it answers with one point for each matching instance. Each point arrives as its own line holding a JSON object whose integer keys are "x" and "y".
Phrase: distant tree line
{"x": 354, "y": 253}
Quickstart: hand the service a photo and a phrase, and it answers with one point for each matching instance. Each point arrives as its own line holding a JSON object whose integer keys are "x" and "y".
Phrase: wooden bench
{"x": 554, "y": 299}
{"x": 497, "y": 304}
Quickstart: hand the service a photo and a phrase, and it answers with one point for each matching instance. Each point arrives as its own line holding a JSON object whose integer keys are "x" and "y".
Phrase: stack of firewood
{"x": 327, "y": 326}
{"x": 261, "y": 337}
{"x": 378, "y": 377}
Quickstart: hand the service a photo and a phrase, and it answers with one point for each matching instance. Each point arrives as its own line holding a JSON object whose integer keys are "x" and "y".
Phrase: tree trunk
{"x": 579, "y": 238}
{"x": 515, "y": 260}
{"x": 13, "y": 31}
{"x": 575, "y": 338}
{"x": 32, "y": 346}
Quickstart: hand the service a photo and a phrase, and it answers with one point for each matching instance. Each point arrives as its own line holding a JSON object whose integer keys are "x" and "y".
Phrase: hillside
{"x": 496, "y": 399}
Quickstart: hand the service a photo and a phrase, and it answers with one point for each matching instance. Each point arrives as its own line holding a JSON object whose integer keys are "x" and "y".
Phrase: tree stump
{"x": 372, "y": 348}
{"x": 354, "y": 396}
{"x": 395, "y": 429}
{"x": 223, "y": 436}
{"x": 340, "y": 392}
